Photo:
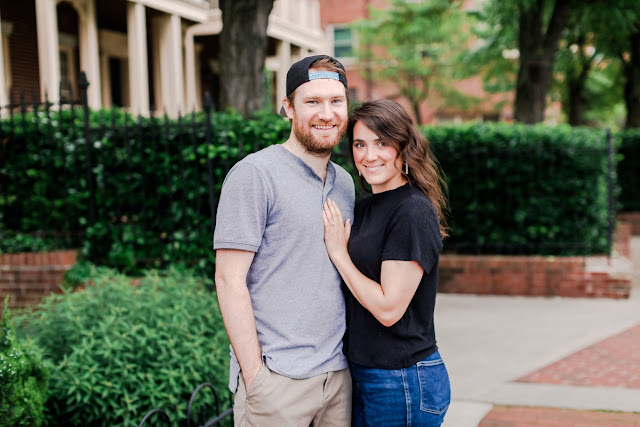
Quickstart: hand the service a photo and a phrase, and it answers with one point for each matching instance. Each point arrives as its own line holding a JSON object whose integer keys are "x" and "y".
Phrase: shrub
{"x": 151, "y": 182}
{"x": 23, "y": 378}
{"x": 119, "y": 350}
{"x": 629, "y": 170}
{"x": 516, "y": 189}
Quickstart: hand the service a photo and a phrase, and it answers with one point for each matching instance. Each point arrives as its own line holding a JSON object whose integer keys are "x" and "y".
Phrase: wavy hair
{"x": 392, "y": 124}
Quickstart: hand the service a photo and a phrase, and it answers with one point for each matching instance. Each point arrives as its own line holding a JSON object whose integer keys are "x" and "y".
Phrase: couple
{"x": 287, "y": 237}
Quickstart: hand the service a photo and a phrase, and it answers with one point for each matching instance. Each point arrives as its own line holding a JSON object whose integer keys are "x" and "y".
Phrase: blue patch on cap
{"x": 324, "y": 75}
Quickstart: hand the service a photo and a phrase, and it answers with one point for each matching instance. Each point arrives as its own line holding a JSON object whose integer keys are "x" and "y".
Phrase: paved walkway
{"x": 527, "y": 361}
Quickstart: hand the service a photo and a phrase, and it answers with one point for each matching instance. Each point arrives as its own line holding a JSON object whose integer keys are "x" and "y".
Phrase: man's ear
{"x": 288, "y": 108}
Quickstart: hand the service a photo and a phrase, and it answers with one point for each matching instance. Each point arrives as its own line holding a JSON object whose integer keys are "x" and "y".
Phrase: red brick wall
{"x": 29, "y": 277}
{"x": 579, "y": 276}
{"x": 596, "y": 276}
{"x": 632, "y": 218}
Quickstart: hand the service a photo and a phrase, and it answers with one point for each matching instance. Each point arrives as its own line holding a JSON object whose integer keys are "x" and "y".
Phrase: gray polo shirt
{"x": 271, "y": 204}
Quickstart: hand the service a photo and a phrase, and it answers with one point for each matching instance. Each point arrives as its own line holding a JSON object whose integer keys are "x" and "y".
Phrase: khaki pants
{"x": 274, "y": 400}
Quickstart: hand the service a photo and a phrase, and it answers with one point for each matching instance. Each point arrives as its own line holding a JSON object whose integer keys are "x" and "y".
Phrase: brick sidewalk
{"x": 613, "y": 362}
{"x": 515, "y": 416}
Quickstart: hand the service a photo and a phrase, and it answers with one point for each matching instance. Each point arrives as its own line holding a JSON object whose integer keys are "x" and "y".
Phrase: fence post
{"x": 610, "y": 189}
{"x": 84, "y": 84}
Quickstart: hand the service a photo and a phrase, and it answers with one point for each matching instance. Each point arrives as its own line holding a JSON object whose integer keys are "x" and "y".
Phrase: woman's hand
{"x": 336, "y": 231}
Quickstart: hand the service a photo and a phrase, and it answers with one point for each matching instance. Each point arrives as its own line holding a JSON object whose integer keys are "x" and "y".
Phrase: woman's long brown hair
{"x": 392, "y": 124}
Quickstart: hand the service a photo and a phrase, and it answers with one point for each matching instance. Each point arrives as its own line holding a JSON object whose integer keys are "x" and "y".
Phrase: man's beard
{"x": 313, "y": 145}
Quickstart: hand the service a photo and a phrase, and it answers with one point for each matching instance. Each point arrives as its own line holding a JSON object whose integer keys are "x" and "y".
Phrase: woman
{"x": 389, "y": 262}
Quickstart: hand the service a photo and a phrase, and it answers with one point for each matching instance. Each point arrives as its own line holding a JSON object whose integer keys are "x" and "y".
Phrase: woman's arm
{"x": 388, "y": 300}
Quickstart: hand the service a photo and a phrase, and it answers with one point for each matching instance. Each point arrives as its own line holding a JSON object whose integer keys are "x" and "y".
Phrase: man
{"x": 279, "y": 293}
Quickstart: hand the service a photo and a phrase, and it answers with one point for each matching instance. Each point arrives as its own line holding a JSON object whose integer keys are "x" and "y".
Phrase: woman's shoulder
{"x": 414, "y": 207}
{"x": 414, "y": 198}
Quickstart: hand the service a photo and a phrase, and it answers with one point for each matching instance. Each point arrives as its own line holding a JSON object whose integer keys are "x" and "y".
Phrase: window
{"x": 68, "y": 76}
{"x": 342, "y": 42}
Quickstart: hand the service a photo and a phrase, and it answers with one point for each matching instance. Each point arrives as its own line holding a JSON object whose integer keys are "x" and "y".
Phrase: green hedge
{"x": 116, "y": 351}
{"x": 516, "y": 189}
{"x": 629, "y": 170}
{"x": 151, "y": 179}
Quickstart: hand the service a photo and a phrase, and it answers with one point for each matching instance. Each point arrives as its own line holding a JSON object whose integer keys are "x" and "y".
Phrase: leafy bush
{"x": 516, "y": 189}
{"x": 119, "y": 350}
{"x": 629, "y": 170}
{"x": 151, "y": 182}
{"x": 23, "y": 378}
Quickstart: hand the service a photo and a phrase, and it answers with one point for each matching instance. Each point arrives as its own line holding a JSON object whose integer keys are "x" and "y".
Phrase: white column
{"x": 315, "y": 15}
{"x": 175, "y": 66}
{"x": 284, "y": 56}
{"x": 170, "y": 64}
{"x": 89, "y": 53}
{"x": 138, "y": 69}
{"x": 190, "y": 70}
{"x": 48, "y": 49}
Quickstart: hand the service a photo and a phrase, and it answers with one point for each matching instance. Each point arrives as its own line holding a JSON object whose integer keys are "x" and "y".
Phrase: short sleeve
{"x": 413, "y": 234}
{"x": 242, "y": 210}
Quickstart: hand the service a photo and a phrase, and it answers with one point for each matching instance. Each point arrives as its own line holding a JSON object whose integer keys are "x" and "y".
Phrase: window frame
{"x": 346, "y": 60}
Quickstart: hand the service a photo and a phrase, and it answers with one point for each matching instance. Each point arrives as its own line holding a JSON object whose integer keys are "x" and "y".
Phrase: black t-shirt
{"x": 400, "y": 224}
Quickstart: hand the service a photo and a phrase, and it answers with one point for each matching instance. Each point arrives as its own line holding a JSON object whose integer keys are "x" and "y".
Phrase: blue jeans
{"x": 415, "y": 396}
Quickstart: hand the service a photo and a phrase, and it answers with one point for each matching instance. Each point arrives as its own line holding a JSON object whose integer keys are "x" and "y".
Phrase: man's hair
{"x": 322, "y": 64}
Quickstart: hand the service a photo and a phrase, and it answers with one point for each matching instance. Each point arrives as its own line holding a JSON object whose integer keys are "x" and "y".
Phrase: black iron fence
{"x": 158, "y": 414}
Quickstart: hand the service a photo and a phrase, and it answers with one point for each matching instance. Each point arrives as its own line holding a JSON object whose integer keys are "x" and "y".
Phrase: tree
{"x": 588, "y": 63}
{"x": 538, "y": 44}
{"x": 517, "y": 45}
{"x": 243, "y": 50}
{"x": 527, "y": 34}
{"x": 412, "y": 45}
{"x": 617, "y": 35}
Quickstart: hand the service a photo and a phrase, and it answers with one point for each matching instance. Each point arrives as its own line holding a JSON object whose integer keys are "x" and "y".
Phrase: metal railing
{"x": 215, "y": 420}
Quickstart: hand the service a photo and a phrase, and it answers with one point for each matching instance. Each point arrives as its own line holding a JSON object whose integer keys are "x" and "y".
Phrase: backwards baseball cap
{"x": 299, "y": 74}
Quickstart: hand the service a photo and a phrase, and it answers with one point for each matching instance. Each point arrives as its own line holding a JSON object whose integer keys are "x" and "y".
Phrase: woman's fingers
{"x": 326, "y": 212}
{"x": 335, "y": 210}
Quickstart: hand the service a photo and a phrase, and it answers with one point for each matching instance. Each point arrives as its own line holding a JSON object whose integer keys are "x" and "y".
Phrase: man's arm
{"x": 232, "y": 267}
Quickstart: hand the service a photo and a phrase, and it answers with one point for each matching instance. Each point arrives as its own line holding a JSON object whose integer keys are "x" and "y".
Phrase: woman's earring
{"x": 359, "y": 173}
{"x": 406, "y": 168}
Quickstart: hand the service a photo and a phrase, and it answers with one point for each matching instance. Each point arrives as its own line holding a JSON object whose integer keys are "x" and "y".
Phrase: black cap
{"x": 299, "y": 74}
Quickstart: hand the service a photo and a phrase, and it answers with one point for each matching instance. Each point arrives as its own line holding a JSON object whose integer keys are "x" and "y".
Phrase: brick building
{"x": 137, "y": 54}
{"x": 335, "y": 17}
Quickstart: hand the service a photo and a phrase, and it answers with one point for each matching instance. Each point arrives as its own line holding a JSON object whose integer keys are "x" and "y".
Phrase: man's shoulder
{"x": 262, "y": 157}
